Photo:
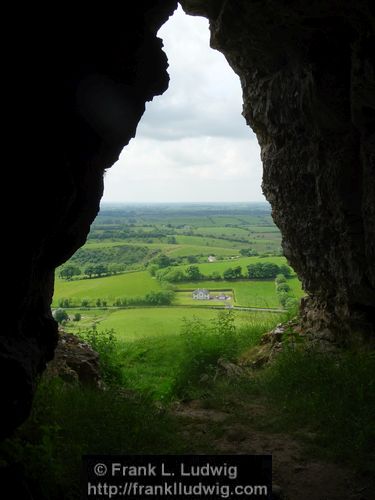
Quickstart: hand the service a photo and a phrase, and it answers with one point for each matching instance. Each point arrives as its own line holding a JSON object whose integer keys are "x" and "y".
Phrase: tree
{"x": 163, "y": 260}
{"x": 237, "y": 272}
{"x": 192, "y": 259}
{"x": 229, "y": 274}
{"x": 100, "y": 269}
{"x": 60, "y": 315}
{"x": 89, "y": 270}
{"x": 215, "y": 276}
{"x": 286, "y": 270}
{"x": 152, "y": 269}
{"x": 67, "y": 272}
{"x": 193, "y": 273}
{"x": 280, "y": 278}
{"x": 248, "y": 252}
{"x": 115, "y": 268}
{"x": 283, "y": 287}
{"x": 175, "y": 276}
{"x": 263, "y": 270}
{"x": 77, "y": 317}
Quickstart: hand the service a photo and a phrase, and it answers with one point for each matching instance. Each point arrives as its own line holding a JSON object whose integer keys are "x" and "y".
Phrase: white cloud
{"x": 192, "y": 143}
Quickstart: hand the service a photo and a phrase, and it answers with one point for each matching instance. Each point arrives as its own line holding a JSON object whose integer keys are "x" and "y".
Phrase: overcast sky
{"x": 192, "y": 143}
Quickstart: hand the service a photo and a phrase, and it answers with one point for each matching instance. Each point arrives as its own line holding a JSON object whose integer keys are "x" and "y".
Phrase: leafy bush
{"x": 60, "y": 315}
{"x": 203, "y": 346}
{"x": 105, "y": 343}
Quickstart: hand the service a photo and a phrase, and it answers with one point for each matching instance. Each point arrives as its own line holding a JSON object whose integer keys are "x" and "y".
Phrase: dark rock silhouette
{"x": 78, "y": 80}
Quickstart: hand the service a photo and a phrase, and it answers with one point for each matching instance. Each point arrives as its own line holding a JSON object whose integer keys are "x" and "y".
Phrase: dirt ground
{"x": 295, "y": 475}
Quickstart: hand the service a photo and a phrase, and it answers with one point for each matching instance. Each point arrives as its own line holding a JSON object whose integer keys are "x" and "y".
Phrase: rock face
{"x": 80, "y": 77}
{"x": 78, "y": 82}
{"x": 75, "y": 361}
{"x": 307, "y": 74}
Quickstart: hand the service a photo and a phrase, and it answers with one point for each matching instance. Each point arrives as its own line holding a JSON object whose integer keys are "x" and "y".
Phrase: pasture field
{"x": 221, "y": 266}
{"x": 206, "y": 241}
{"x": 150, "y": 345}
{"x": 248, "y": 293}
{"x": 217, "y": 231}
{"x": 138, "y": 323}
{"x": 109, "y": 288}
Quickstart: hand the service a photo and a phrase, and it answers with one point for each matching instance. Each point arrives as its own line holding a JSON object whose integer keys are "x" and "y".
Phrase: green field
{"x": 222, "y": 265}
{"x": 135, "y": 284}
{"x": 150, "y": 344}
{"x": 139, "y": 323}
{"x": 248, "y": 293}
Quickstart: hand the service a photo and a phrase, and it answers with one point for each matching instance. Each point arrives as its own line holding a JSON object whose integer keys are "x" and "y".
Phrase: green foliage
{"x": 193, "y": 273}
{"x": 333, "y": 395}
{"x": 68, "y": 271}
{"x": 280, "y": 278}
{"x": 63, "y": 302}
{"x": 285, "y": 270}
{"x": 69, "y": 421}
{"x": 203, "y": 346}
{"x": 105, "y": 343}
{"x": 120, "y": 255}
{"x": 248, "y": 252}
{"x": 160, "y": 298}
{"x": 60, "y": 315}
{"x": 233, "y": 273}
{"x": 263, "y": 270}
{"x": 77, "y": 317}
{"x": 283, "y": 287}
{"x": 162, "y": 261}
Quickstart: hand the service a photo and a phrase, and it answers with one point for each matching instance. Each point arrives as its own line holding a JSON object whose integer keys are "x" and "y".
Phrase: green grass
{"x": 162, "y": 322}
{"x": 221, "y": 266}
{"x": 207, "y": 242}
{"x": 218, "y": 231}
{"x": 135, "y": 284}
{"x": 248, "y": 293}
{"x": 150, "y": 344}
{"x": 331, "y": 396}
{"x": 68, "y": 421}
{"x": 185, "y": 250}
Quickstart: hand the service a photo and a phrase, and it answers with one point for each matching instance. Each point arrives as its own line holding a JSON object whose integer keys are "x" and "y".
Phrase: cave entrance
{"x": 182, "y": 214}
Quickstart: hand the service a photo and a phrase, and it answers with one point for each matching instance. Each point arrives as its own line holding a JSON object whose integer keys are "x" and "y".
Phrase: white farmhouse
{"x": 201, "y": 294}
{"x": 211, "y": 258}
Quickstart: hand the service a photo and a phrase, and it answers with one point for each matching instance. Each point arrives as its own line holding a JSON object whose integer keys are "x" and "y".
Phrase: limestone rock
{"x": 75, "y": 361}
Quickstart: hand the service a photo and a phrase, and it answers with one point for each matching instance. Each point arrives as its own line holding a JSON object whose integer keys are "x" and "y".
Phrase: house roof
{"x": 204, "y": 290}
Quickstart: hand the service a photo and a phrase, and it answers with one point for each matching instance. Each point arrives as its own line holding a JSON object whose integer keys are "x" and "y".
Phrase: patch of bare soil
{"x": 296, "y": 476}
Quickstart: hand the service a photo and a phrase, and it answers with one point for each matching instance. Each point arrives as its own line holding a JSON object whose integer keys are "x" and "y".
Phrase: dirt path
{"x": 295, "y": 475}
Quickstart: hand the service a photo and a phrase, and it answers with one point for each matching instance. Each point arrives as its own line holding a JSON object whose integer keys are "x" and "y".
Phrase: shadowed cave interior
{"x": 307, "y": 74}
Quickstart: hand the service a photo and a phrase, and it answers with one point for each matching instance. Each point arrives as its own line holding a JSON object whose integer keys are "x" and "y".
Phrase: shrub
{"x": 60, "y": 315}
{"x": 105, "y": 343}
{"x": 203, "y": 346}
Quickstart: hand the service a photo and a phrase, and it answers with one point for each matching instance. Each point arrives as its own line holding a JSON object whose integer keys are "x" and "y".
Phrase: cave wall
{"x": 79, "y": 77}
{"x": 77, "y": 81}
{"x": 307, "y": 74}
